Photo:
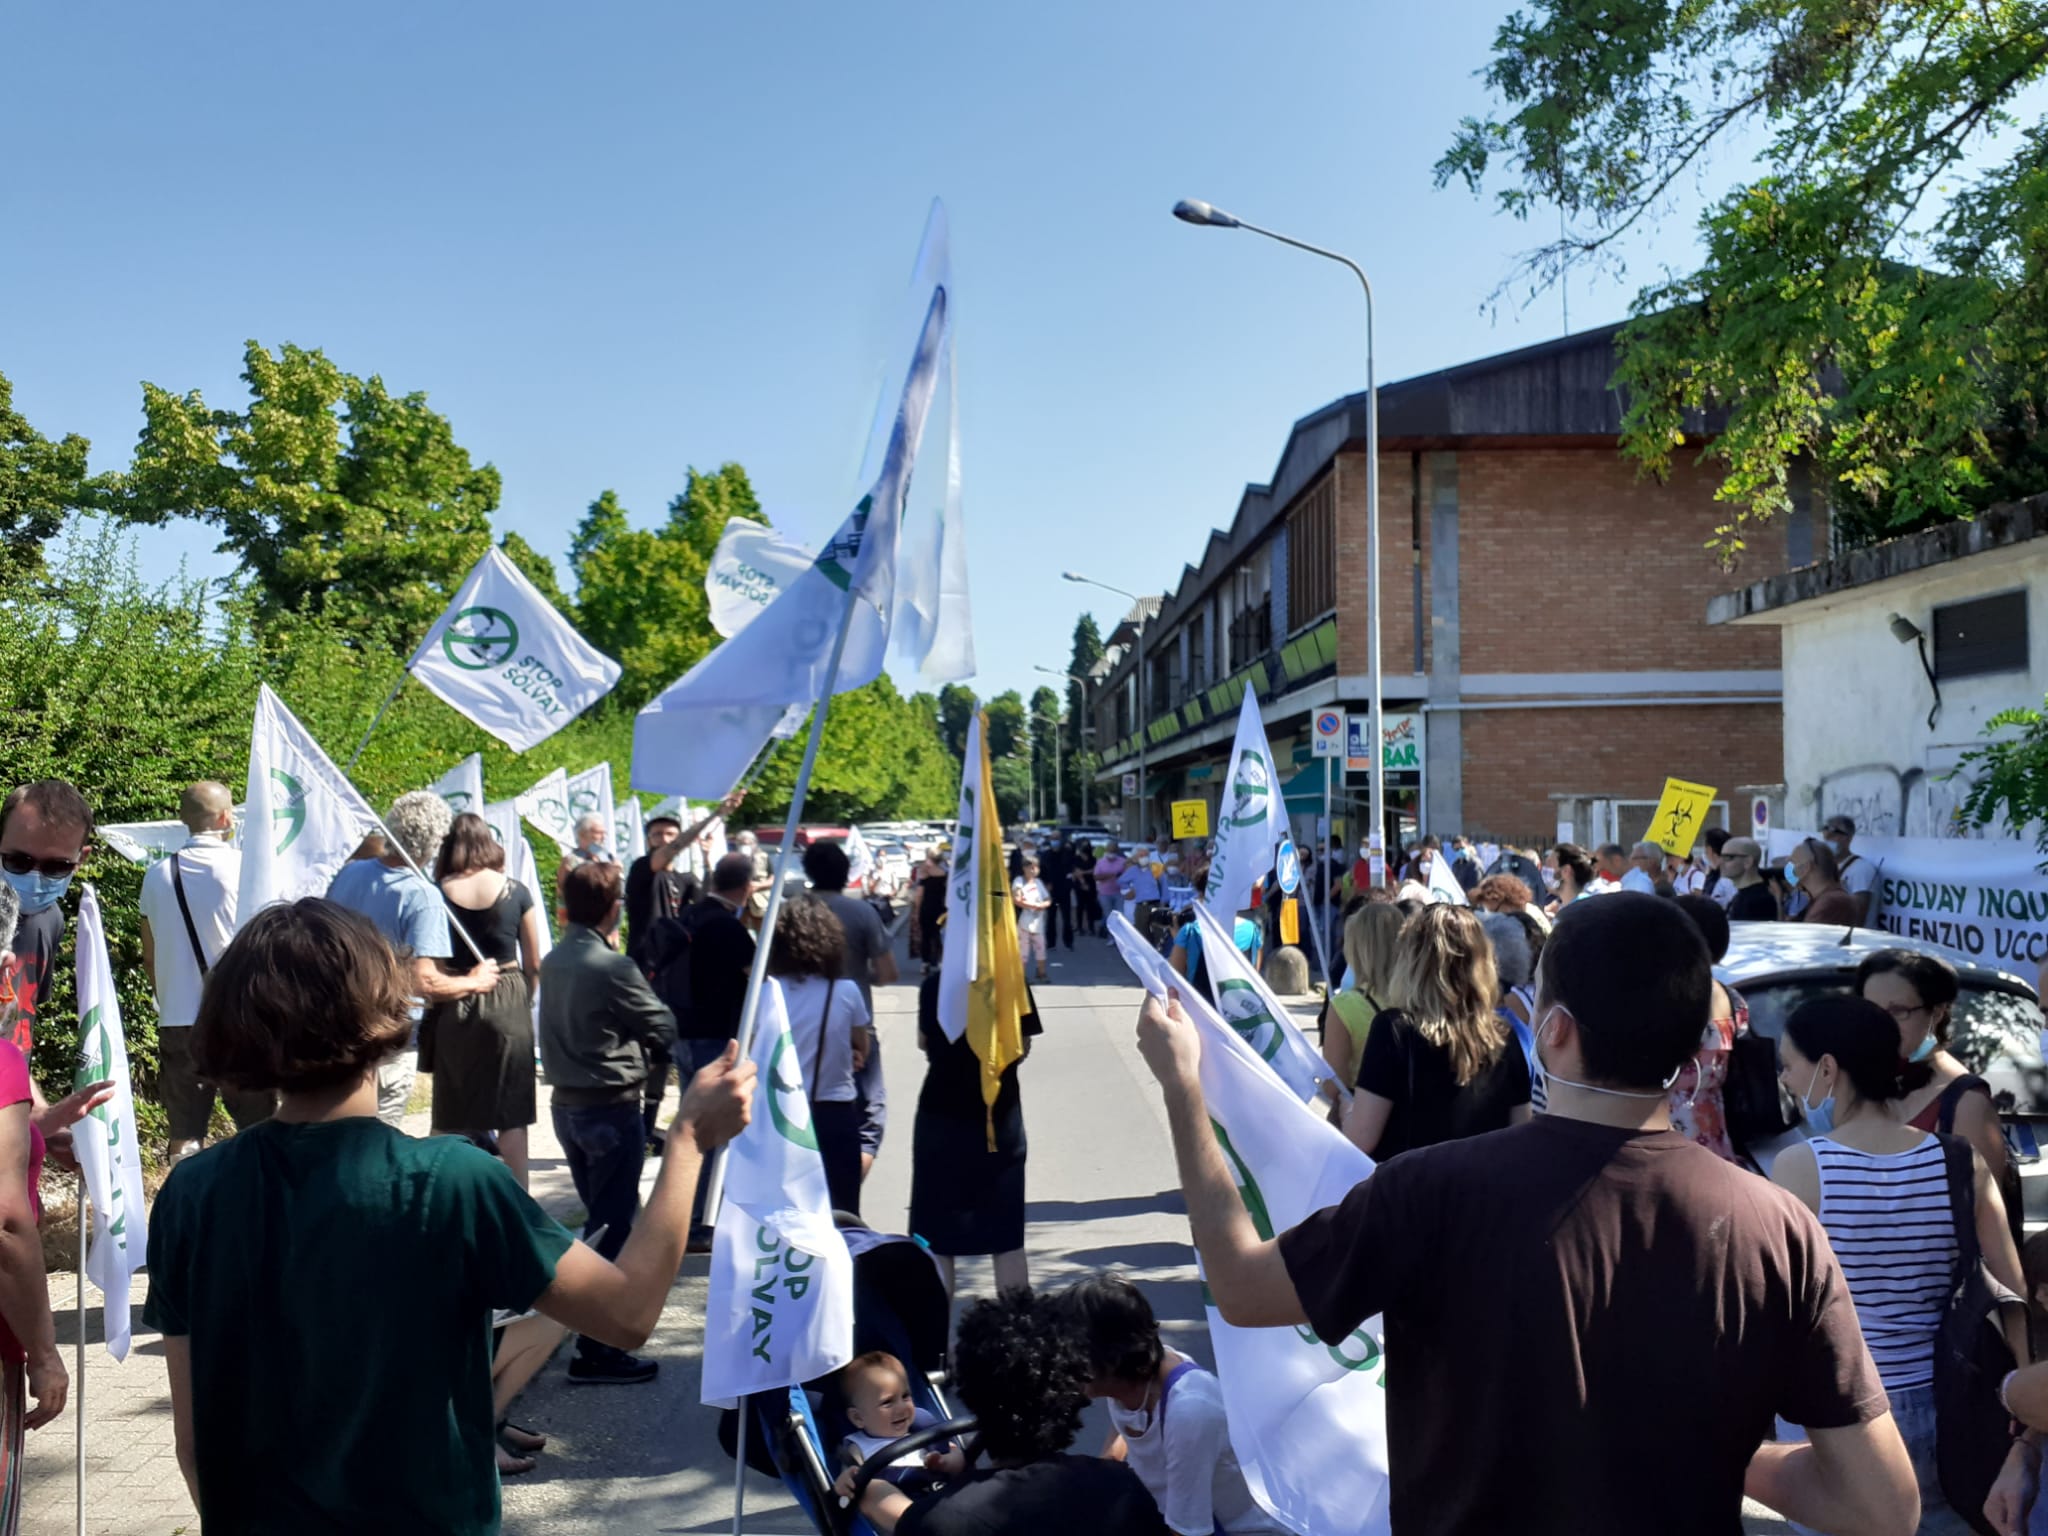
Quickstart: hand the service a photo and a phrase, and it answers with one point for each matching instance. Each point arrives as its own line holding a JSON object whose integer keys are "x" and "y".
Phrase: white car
{"x": 1778, "y": 966}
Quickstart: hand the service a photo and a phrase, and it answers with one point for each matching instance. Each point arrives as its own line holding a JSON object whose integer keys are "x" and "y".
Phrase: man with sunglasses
{"x": 45, "y": 834}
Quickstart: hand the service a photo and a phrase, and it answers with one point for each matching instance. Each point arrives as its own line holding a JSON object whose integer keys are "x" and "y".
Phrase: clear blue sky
{"x": 612, "y": 241}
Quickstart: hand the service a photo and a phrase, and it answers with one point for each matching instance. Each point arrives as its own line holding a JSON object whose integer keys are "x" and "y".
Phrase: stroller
{"x": 899, "y": 1305}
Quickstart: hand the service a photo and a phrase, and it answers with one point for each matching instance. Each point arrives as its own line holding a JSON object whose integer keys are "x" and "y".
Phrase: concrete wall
{"x": 1857, "y": 740}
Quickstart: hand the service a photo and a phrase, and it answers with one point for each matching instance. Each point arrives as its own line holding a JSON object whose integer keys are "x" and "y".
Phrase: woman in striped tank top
{"x": 1880, "y": 1188}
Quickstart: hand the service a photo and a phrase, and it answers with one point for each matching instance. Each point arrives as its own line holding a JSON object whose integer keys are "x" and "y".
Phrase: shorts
{"x": 1032, "y": 944}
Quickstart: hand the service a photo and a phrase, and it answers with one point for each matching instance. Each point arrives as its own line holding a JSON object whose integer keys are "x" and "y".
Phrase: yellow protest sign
{"x": 1681, "y": 816}
{"x": 1190, "y": 818}
{"x": 1290, "y": 921}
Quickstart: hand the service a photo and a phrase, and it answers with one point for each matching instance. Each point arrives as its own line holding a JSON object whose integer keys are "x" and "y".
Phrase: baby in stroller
{"x": 879, "y": 1406}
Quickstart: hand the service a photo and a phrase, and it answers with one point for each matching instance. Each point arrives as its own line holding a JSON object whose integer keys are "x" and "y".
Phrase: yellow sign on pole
{"x": 1290, "y": 921}
{"x": 1190, "y": 818}
{"x": 1681, "y": 816}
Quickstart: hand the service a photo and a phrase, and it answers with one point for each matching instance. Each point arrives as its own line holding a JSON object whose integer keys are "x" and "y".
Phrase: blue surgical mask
{"x": 1924, "y": 1049}
{"x": 1791, "y": 874}
{"x": 36, "y": 891}
{"x": 1820, "y": 1117}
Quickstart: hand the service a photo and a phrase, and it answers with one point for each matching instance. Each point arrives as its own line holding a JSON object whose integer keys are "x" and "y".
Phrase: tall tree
{"x": 1088, "y": 650}
{"x": 40, "y": 482}
{"x": 1045, "y": 731}
{"x": 956, "y": 710}
{"x": 338, "y": 498}
{"x": 1008, "y": 732}
{"x": 699, "y": 513}
{"x": 1873, "y": 297}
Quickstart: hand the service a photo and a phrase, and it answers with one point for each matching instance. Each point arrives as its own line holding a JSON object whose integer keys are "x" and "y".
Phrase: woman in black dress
{"x": 480, "y": 1049}
{"x": 929, "y": 899}
{"x": 964, "y": 1198}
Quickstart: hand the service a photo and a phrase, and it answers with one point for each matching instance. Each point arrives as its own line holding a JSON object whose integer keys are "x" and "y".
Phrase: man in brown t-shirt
{"x": 1590, "y": 1320}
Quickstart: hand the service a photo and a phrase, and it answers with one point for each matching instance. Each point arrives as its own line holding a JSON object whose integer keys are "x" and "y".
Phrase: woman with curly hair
{"x": 828, "y": 1026}
{"x": 1440, "y": 1066}
{"x": 1022, "y": 1369}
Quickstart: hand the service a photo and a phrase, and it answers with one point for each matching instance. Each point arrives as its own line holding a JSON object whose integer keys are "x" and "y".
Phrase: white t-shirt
{"x": 1689, "y": 881}
{"x": 1859, "y": 875}
{"x": 1029, "y": 919}
{"x": 1723, "y": 892}
{"x": 1190, "y": 1470}
{"x": 213, "y": 878}
{"x": 805, "y": 1001}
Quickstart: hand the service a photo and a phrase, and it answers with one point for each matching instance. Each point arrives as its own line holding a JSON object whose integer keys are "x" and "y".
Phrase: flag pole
{"x": 739, "y": 1471}
{"x": 714, "y": 1190}
{"x": 78, "y": 1395}
{"x": 378, "y": 719}
{"x": 393, "y": 842}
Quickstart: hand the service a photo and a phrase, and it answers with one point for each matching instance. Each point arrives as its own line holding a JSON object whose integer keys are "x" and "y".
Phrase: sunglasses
{"x": 16, "y": 863}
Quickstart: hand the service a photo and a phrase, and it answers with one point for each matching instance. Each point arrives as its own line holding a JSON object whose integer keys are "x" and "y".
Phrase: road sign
{"x": 1130, "y": 783}
{"x": 1287, "y": 867}
{"x": 1681, "y": 814}
{"x": 1190, "y": 818}
{"x": 1326, "y": 733}
{"x": 1760, "y": 822}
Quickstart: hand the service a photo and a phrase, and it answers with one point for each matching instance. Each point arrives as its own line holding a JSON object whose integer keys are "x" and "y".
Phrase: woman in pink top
{"x": 30, "y": 1365}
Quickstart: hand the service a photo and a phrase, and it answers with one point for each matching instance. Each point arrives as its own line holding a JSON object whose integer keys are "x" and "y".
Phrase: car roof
{"x": 1764, "y": 952}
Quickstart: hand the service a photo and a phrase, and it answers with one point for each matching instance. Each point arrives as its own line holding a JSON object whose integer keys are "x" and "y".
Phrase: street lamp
{"x": 1138, "y": 606}
{"x": 1189, "y": 211}
{"x": 1057, "y": 792}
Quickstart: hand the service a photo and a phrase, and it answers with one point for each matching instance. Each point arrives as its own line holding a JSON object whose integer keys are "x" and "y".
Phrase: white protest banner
{"x": 1308, "y": 1420}
{"x": 751, "y": 567}
{"x": 504, "y": 657}
{"x": 144, "y": 842}
{"x": 1252, "y": 820}
{"x": 629, "y": 832}
{"x": 699, "y": 735}
{"x": 463, "y": 785}
{"x": 1984, "y": 898}
{"x": 303, "y": 820}
{"x": 860, "y": 859}
{"x": 546, "y": 805}
{"x": 960, "y": 960}
{"x": 590, "y": 794}
{"x": 105, "y": 1143}
{"x": 780, "y": 1309}
{"x": 1248, "y": 1006}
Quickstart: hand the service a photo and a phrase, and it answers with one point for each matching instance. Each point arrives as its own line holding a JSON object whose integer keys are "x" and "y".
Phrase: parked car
{"x": 1778, "y": 966}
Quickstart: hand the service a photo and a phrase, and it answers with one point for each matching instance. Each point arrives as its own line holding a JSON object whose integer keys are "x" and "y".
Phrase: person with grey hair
{"x": 592, "y": 847}
{"x": 1646, "y": 868}
{"x": 394, "y": 894}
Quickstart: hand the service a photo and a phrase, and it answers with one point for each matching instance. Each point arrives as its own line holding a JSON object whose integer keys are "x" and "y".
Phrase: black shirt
{"x": 1402, "y": 1065}
{"x": 1753, "y": 904}
{"x": 652, "y": 894}
{"x": 721, "y": 956}
{"x": 495, "y": 928}
{"x": 1056, "y": 865}
{"x": 1058, "y": 1494}
{"x": 27, "y": 972}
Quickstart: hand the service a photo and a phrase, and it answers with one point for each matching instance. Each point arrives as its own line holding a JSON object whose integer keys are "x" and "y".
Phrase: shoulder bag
{"x": 1972, "y": 1432}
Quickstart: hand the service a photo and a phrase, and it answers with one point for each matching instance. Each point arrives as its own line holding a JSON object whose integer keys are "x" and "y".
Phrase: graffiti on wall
{"x": 1885, "y": 801}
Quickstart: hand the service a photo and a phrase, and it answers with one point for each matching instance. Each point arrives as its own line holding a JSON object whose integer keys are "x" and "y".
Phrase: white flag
{"x": 590, "y": 794}
{"x": 304, "y": 819}
{"x": 780, "y": 1310}
{"x": 546, "y": 805}
{"x": 699, "y": 735}
{"x": 751, "y": 567}
{"x": 934, "y": 624}
{"x": 1248, "y": 1006}
{"x": 463, "y": 786}
{"x": 1252, "y": 820}
{"x": 1443, "y": 882}
{"x": 629, "y": 831}
{"x": 503, "y": 656}
{"x": 105, "y": 1141}
{"x": 860, "y": 859}
{"x": 1308, "y": 1421}
{"x": 960, "y": 959}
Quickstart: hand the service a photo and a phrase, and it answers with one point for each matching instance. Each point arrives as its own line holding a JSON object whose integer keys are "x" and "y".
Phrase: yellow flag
{"x": 995, "y": 996}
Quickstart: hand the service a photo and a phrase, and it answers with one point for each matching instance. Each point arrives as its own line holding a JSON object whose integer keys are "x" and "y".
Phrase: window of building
{"x": 1988, "y": 634}
{"x": 1164, "y": 683}
{"x": 1198, "y": 653}
{"x": 1312, "y": 555}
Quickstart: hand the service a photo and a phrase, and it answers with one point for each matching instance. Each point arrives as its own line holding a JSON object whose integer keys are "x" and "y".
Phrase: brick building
{"x": 1544, "y": 641}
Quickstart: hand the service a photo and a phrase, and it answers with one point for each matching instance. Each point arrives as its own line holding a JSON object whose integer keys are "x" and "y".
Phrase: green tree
{"x": 1012, "y": 779}
{"x": 956, "y": 710}
{"x": 40, "y": 481}
{"x": 2011, "y": 776}
{"x": 1873, "y": 297}
{"x": 538, "y": 569}
{"x": 1008, "y": 733}
{"x": 1045, "y": 731}
{"x": 882, "y": 756}
{"x": 339, "y": 499}
{"x": 1088, "y": 650}
{"x": 707, "y": 503}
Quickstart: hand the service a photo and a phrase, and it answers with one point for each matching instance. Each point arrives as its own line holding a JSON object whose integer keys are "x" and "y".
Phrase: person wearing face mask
{"x": 1858, "y": 875}
{"x": 1738, "y": 1296}
{"x": 45, "y": 834}
{"x": 188, "y": 917}
{"x": 1918, "y": 992}
{"x": 1882, "y": 1190}
{"x": 1811, "y": 871}
{"x": 1742, "y": 864}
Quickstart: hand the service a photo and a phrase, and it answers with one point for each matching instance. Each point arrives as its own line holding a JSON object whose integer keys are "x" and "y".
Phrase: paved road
{"x": 638, "y": 1461}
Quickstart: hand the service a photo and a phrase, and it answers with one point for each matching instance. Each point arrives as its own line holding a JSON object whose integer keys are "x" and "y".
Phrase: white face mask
{"x": 1543, "y": 1028}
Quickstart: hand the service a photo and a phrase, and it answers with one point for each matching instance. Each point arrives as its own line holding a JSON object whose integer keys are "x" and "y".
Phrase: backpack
{"x": 1972, "y": 1432}
{"x": 2009, "y": 1187}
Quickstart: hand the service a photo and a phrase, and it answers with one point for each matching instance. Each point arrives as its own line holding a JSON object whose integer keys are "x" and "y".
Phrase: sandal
{"x": 519, "y": 1440}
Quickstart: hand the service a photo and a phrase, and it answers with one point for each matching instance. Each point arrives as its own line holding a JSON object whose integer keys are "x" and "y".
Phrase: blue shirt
{"x": 1246, "y": 935}
{"x": 407, "y": 911}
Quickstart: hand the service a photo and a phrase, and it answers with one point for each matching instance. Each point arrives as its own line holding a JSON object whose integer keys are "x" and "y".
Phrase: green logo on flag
{"x": 292, "y": 814}
{"x": 478, "y": 639}
{"x": 1254, "y": 786}
{"x": 458, "y": 800}
{"x": 799, "y": 1135}
{"x": 843, "y": 553}
{"x": 582, "y": 801}
{"x": 1238, "y": 1002}
{"x": 95, "y": 1065}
